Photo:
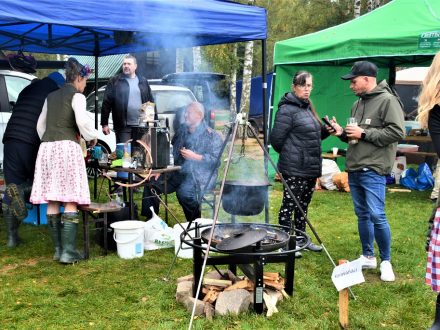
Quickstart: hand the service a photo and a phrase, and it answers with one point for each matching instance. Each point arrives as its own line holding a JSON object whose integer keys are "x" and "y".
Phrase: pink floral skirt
{"x": 60, "y": 174}
{"x": 433, "y": 262}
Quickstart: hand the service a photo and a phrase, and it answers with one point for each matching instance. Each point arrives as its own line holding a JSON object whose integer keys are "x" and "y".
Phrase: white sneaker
{"x": 368, "y": 263}
{"x": 386, "y": 271}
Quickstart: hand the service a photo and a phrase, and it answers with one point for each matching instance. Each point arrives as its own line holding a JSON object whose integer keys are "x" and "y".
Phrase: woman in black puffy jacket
{"x": 296, "y": 136}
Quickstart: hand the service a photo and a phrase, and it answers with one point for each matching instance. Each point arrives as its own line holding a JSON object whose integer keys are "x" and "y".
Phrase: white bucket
{"x": 129, "y": 238}
{"x": 186, "y": 251}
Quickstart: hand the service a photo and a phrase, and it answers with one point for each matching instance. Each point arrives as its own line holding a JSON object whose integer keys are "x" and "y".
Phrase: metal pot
{"x": 244, "y": 197}
{"x": 274, "y": 239}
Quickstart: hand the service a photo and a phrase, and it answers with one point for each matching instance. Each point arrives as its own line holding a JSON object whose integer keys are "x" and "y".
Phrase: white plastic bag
{"x": 329, "y": 168}
{"x": 157, "y": 233}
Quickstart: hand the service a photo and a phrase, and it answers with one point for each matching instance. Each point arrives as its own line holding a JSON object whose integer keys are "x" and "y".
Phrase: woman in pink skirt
{"x": 429, "y": 116}
{"x": 60, "y": 172}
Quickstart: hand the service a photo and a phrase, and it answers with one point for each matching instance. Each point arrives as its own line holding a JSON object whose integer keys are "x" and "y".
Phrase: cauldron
{"x": 244, "y": 197}
{"x": 274, "y": 239}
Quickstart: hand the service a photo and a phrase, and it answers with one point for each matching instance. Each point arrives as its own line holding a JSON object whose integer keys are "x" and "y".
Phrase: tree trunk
{"x": 197, "y": 58}
{"x": 357, "y": 8}
{"x": 179, "y": 60}
{"x": 233, "y": 88}
{"x": 247, "y": 73}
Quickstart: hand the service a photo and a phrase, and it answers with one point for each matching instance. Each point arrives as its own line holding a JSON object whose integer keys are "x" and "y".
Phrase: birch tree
{"x": 357, "y": 8}
{"x": 233, "y": 83}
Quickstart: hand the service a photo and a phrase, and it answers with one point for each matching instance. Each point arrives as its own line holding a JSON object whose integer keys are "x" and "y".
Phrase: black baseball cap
{"x": 361, "y": 68}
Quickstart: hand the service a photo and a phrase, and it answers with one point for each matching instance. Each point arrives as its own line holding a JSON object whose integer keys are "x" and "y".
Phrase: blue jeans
{"x": 368, "y": 194}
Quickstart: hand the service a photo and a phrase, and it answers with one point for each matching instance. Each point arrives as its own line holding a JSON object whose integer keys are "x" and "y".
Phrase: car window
{"x": 14, "y": 86}
{"x": 168, "y": 102}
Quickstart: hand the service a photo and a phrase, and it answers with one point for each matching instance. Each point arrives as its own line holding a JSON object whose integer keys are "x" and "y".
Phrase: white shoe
{"x": 368, "y": 263}
{"x": 386, "y": 271}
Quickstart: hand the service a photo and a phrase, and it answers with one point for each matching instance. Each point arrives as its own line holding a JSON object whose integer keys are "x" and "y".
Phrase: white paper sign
{"x": 347, "y": 275}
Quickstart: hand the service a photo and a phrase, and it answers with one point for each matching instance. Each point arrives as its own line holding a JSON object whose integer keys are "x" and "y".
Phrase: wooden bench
{"x": 96, "y": 209}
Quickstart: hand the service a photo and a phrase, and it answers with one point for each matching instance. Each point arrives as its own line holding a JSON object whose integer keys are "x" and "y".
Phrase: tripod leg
{"x": 167, "y": 276}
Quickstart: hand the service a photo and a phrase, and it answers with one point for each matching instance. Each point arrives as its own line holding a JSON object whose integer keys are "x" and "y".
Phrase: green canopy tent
{"x": 402, "y": 33}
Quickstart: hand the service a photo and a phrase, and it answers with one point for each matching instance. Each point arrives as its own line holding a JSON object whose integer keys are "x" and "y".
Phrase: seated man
{"x": 196, "y": 149}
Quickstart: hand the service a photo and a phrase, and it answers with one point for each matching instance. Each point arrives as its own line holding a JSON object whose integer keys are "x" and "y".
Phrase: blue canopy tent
{"x": 106, "y": 27}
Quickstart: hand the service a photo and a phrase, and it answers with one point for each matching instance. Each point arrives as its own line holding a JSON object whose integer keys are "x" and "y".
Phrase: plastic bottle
{"x": 126, "y": 158}
{"x": 171, "y": 156}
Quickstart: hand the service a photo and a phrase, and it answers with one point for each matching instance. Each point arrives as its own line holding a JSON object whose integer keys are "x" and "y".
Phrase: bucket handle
{"x": 129, "y": 241}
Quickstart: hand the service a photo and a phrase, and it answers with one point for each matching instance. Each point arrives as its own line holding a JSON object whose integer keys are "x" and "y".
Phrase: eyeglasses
{"x": 305, "y": 86}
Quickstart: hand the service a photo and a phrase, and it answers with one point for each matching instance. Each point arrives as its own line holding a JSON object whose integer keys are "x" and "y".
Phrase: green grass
{"x": 111, "y": 293}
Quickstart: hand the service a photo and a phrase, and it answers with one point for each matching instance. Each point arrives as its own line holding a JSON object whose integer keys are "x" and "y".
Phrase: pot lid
{"x": 242, "y": 239}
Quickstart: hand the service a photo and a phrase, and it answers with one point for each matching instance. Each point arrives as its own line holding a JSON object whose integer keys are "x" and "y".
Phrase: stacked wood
{"x": 212, "y": 287}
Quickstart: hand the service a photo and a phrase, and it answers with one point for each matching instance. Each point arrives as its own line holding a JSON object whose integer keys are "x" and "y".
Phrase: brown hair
{"x": 299, "y": 79}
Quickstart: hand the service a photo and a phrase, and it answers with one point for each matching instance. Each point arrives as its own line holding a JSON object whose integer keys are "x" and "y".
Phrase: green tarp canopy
{"x": 402, "y": 33}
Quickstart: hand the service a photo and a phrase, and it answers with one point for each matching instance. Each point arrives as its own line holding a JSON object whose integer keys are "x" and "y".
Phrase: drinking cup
{"x": 351, "y": 121}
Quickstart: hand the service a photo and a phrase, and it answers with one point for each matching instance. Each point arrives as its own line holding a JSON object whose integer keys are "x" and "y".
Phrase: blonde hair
{"x": 430, "y": 93}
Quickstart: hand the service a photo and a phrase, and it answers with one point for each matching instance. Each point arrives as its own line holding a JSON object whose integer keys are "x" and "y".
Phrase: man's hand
{"x": 105, "y": 130}
{"x": 154, "y": 176}
{"x": 336, "y": 129}
{"x": 354, "y": 132}
{"x": 190, "y": 155}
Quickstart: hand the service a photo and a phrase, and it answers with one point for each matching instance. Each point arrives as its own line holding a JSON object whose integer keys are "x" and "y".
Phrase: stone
{"x": 184, "y": 289}
{"x": 216, "y": 276}
{"x": 209, "y": 311}
{"x": 189, "y": 305}
{"x": 234, "y": 302}
{"x": 185, "y": 278}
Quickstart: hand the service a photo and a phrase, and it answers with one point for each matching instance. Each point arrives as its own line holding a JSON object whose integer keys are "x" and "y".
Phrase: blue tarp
{"x": 80, "y": 27}
{"x": 256, "y": 102}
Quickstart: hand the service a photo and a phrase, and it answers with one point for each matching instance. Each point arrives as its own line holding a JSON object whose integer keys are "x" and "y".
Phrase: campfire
{"x": 227, "y": 293}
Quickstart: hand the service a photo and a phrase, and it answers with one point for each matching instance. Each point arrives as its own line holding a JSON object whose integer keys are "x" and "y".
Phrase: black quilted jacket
{"x": 296, "y": 136}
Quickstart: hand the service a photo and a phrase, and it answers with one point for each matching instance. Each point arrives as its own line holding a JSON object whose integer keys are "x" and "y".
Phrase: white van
{"x": 11, "y": 84}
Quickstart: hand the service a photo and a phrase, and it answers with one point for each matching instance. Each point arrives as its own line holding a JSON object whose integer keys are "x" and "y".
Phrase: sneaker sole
{"x": 369, "y": 267}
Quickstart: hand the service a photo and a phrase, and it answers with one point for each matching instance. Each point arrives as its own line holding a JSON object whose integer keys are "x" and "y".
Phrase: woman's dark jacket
{"x": 296, "y": 135}
{"x": 116, "y": 100}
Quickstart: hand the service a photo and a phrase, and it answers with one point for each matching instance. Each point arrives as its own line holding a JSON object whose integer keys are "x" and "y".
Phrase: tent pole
{"x": 95, "y": 174}
{"x": 265, "y": 136}
{"x": 392, "y": 73}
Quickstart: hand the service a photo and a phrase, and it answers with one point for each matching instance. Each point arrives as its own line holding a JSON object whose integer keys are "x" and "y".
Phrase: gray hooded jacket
{"x": 380, "y": 114}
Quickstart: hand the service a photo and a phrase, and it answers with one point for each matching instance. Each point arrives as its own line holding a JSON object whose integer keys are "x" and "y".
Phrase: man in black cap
{"x": 380, "y": 125}
{"x": 21, "y": 143}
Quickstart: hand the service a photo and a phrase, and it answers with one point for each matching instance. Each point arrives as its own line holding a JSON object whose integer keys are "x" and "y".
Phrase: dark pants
{"x": 187, "y": 192}
{"x": 302, "y": 189}
{"x": 19, "y": 164}
{"x": 123, "y": 135}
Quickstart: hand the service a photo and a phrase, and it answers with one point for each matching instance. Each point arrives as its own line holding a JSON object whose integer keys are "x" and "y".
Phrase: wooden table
{"x": 132, "y": 172}
{"x": 329, "y": 155}
{"x": 426, "y": 149}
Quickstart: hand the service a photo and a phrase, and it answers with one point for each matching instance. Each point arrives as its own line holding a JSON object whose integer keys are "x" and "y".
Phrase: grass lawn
{"x": 112, "y": 293}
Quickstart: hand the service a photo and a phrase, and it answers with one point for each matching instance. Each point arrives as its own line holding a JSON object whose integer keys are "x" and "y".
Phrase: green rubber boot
{"x": 69, "y": 228}
{"x": 12, "y": 224}
{"x": 54, "y": 221}
{"x": 18, "y": 204}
